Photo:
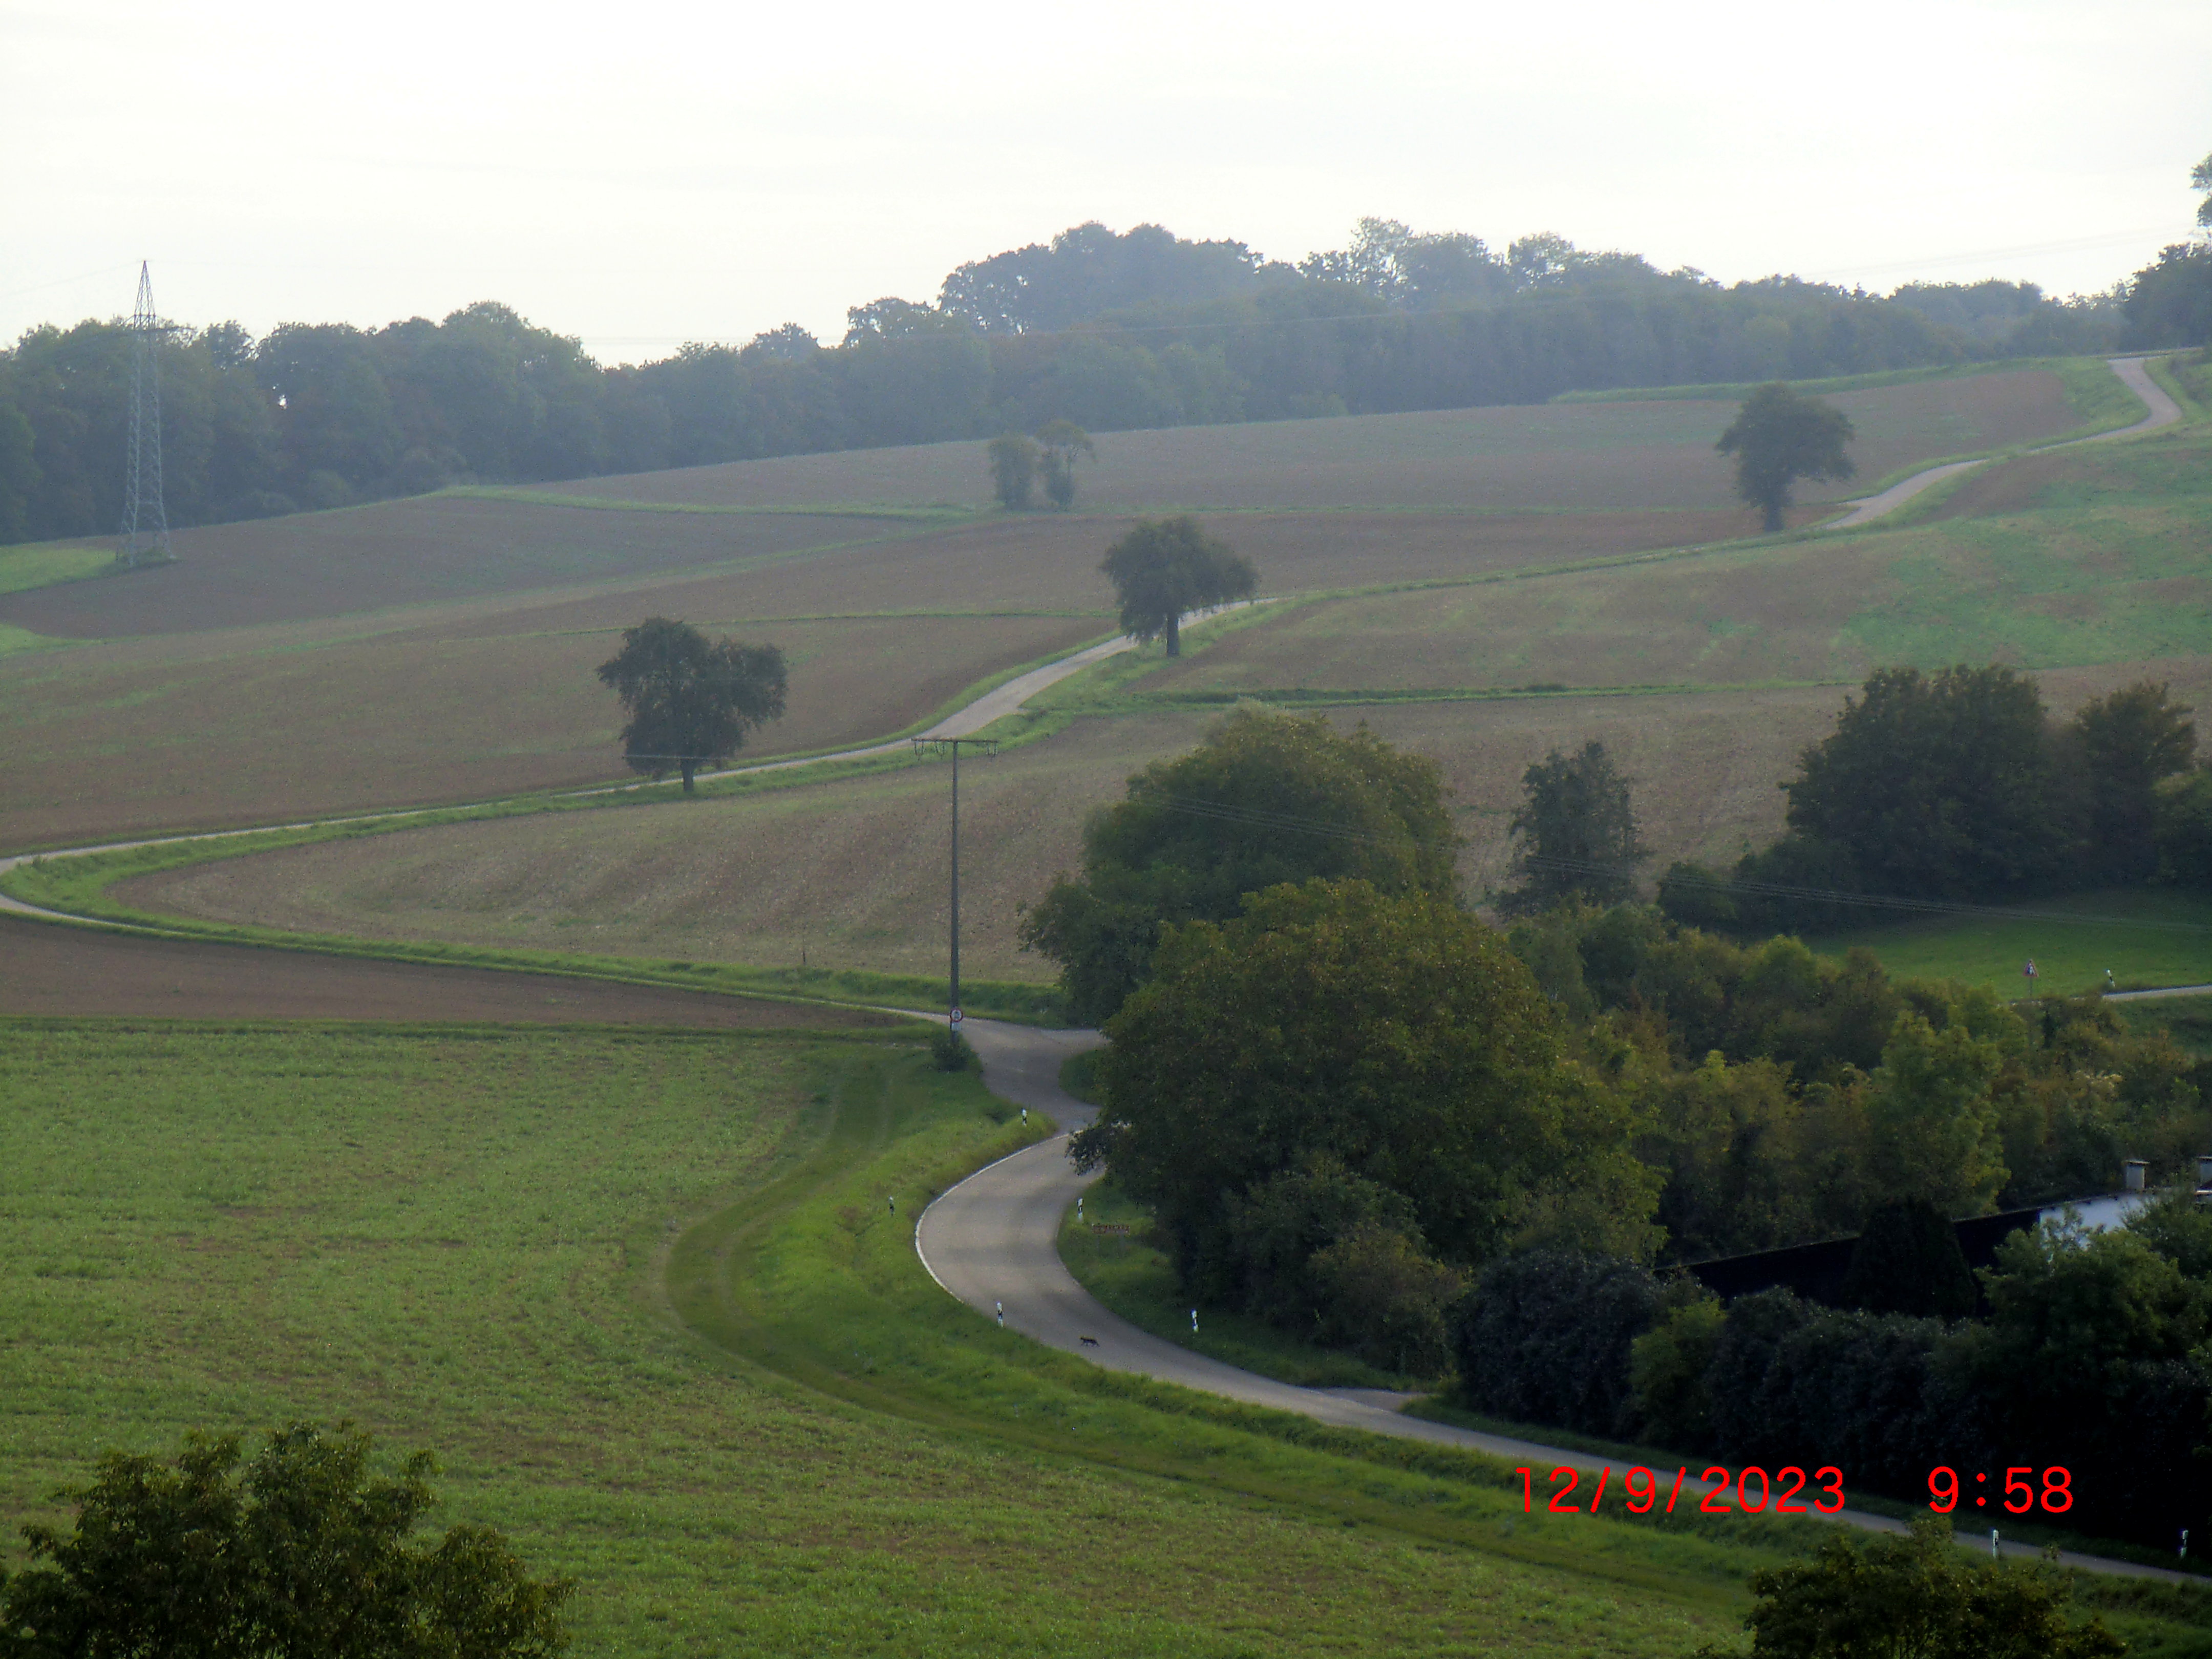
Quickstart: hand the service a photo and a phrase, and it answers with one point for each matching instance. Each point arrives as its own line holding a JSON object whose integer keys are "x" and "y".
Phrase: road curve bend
{"x": 993, "y": 1242}
{"x": 2133, "y": 374}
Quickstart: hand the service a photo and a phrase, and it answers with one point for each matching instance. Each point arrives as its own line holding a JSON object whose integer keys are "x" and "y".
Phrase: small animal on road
{"x": 1089, "y": 1341}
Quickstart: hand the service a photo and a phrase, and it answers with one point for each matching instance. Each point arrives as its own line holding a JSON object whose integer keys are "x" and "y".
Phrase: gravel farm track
{"x": 990, "y": 1241}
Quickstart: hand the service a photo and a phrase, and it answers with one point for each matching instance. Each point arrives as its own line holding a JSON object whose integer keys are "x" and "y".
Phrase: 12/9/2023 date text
{"x": 1640, "y": 1491}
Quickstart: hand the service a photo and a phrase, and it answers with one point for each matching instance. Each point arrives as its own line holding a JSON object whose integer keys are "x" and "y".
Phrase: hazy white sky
{"x": 645, "y": 173}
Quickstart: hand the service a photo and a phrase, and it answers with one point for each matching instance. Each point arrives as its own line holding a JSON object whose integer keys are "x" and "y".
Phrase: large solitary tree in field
{"x": 1166, "y": 568}
{"x": 1779, "y": 436}
{"x": 691, "y": 701}
{"x": 300, "y": 1552}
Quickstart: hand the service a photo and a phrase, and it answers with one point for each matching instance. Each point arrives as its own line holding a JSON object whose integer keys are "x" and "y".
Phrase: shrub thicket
{"x": 1960, "y": 786}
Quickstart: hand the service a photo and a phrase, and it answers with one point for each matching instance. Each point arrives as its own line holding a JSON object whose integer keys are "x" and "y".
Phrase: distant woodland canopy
{"x": 1114, "y": 331}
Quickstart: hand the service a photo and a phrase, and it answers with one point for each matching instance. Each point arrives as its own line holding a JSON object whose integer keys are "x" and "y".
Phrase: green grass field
{"x": 640, "y": 1292}
{"x": 2147, "y": 938}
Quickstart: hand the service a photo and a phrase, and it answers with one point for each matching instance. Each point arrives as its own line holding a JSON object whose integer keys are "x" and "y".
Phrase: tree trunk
{"x": 1773, "y": 517}
{"x": 1175, "y": 636}
{"x": 690, "y": 766}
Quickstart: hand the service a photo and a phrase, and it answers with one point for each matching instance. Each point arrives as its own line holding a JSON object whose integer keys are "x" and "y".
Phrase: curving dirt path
{"x": 2133, "y": 374}
{"x": 993, "y": 1242}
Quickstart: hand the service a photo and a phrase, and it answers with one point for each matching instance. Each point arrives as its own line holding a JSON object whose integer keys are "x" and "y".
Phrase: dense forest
{"x": 1111, "y": 330}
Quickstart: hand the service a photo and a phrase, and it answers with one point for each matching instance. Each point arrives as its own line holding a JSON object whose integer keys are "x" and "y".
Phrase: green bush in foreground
{"x": 300, "y": 1553}
{"x": 1915, "y": 1596}
{"x": 951, "y": 1051}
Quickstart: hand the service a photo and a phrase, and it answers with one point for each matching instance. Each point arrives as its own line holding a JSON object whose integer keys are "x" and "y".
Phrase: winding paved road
{"x": 2164, "y": 411}
{"x": 993, "y": 1242}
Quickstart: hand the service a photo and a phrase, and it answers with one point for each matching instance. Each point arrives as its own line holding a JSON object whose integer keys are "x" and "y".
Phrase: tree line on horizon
{"x": 1110, "y": 331}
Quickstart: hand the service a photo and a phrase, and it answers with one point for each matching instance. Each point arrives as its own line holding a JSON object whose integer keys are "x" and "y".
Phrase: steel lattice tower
{"x": 145, "y": 538}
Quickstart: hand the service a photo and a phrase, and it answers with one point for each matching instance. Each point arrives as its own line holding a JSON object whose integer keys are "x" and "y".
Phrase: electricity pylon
{"x": 145, "y": 538}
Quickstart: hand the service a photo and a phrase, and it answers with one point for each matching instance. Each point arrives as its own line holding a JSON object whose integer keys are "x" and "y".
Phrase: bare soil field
{"x": 262, "y": 726}
{"x": 1586, "y": 456}
{"x": 76, "y": 972}
{"x": 853, "y": 872}
{"x": 408, "y": 552}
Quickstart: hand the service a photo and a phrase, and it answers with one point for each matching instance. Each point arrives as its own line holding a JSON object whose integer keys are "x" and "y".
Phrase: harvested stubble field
{"x": 1590, "y": 456}
{"x": 853, "y": 872}
{"x": 260, "y": 726}
{"x": 458, "y": 1240}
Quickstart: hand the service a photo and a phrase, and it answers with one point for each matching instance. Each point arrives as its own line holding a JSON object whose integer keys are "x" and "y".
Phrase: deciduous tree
{"x": 1267, "y": 798}
{"x": 1398, "y": 1037}
{"x": 1166, "y": 568}
{"x": 1779, "y": 436}
{"x": 2127, "y": 744}
{"x": 1940, "y": 786}
{"x": 1575, "y": 831}
{"x": 1013, "y": 462}
{"x": 691, "y": 701}
{"x": 1058, "y": 443}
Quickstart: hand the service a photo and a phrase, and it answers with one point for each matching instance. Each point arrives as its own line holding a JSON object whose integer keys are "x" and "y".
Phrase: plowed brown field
{"x": 1586, "y": 456}
{"x": 74, "y": 972}
{"x": 495, "y": 694}
{"x": 206, "y": 731}
{"x": 405, "y": 553}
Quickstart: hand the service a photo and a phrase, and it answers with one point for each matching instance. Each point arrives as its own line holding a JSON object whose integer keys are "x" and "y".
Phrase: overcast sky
{"x": 644, "y": 173}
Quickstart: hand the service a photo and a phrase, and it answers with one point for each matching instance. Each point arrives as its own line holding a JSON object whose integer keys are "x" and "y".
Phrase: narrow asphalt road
{"x": 993, "y": 1242}
{"x": 2164, "y": 411}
